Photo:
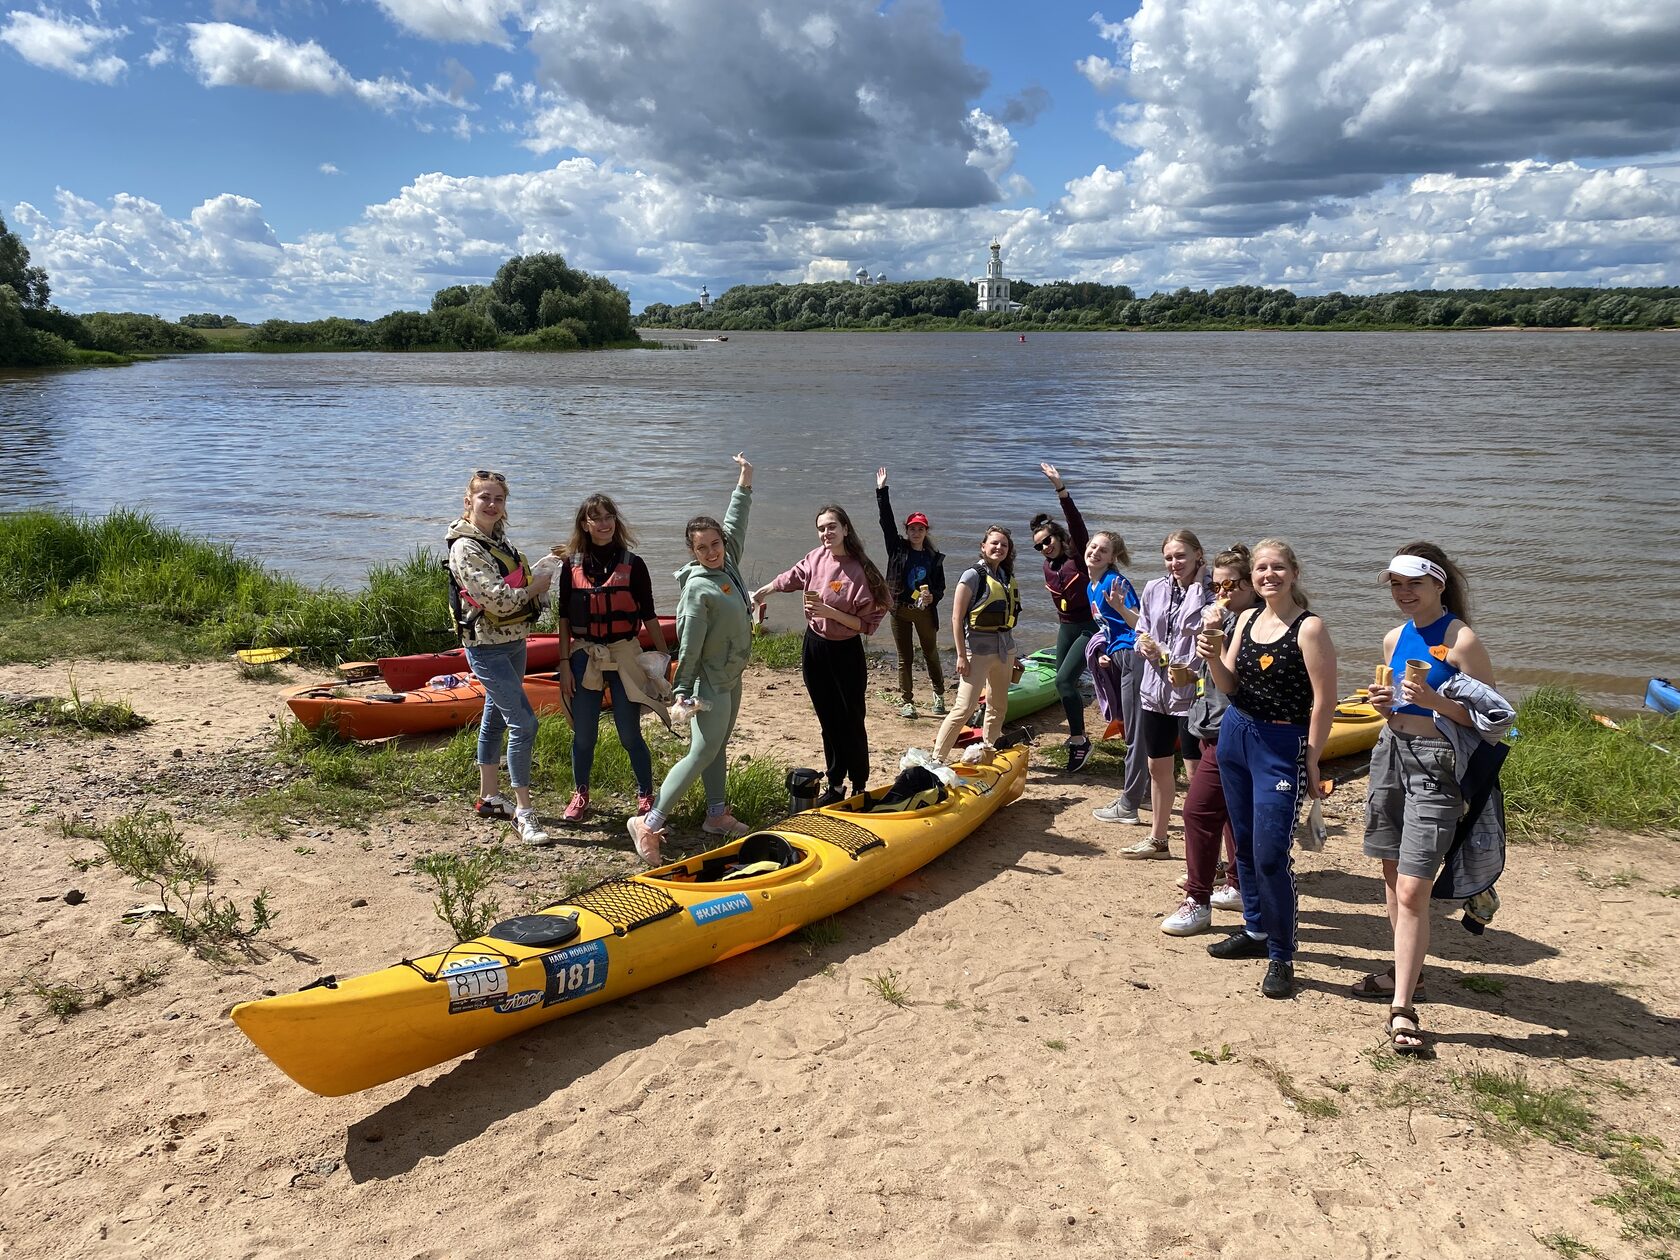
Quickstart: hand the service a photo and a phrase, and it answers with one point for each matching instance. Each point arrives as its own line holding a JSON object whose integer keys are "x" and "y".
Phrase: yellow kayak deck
{"x": 631, "y": 932}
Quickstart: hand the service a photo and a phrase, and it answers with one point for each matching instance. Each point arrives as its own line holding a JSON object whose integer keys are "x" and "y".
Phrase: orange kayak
{"x": 379, "y": 715}
{"x": 542, "y": 652}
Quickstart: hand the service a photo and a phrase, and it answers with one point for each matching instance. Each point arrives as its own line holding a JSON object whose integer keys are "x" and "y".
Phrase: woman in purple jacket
{"x": 1166, "y": 644}
{"x": 1067, "y": 580}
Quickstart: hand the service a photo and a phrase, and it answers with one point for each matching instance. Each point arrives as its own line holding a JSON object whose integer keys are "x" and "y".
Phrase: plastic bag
{"x": 683, "y": 711}
{"x": 923, "y": 758}
{"x": 1310, "y": 832}
{"x": 655, "y": 665}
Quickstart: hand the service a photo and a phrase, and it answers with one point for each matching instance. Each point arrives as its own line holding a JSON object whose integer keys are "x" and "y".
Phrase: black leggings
{"x": 1070, "y": 664}
{"x": 835, "y": 675}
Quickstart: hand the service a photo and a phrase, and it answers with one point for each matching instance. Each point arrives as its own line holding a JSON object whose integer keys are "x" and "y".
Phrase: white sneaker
{"x": 1227, "y": 897}
{"x": 908, "y": 711}
{"x": 1190, "y": 918}
{"x": 530, "y": 830}
{"x": 1146, "y": 848}
{"x": 1118, "y": 812}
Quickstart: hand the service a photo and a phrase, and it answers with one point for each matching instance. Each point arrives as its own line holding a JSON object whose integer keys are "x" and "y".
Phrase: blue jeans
{"x": 501, "y": 668}
{"x": 586, "y": 725}
{"x": 1262, "y": 767}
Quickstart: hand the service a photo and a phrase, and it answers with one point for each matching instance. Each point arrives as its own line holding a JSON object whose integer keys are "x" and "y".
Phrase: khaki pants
{"x": 988, "y": 674}
{"x": 924, "y": 621}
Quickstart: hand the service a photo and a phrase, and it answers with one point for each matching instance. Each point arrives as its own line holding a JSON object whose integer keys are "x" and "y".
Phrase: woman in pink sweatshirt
{"x": 845, "y": 598}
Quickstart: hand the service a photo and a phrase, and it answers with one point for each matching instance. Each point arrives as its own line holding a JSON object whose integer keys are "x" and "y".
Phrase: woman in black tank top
{"x": 1280, "y": 672}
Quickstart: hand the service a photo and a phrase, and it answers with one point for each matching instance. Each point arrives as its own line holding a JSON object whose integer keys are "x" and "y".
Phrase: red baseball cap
{"x": 916, "y": 518}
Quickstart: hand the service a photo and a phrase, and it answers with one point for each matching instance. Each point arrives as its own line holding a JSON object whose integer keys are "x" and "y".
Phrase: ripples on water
{"x": 1545, "y": 463}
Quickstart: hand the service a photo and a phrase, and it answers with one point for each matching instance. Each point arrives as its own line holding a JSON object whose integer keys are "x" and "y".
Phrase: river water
{"x": 1546, "y": 464}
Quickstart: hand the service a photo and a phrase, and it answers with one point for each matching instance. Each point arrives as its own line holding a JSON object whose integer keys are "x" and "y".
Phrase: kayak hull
{"x": 338, "y": 1037}
{"x": 426, "y": 711}
{"x": 1663, "y": 696}
{"x": 542, "y": 652}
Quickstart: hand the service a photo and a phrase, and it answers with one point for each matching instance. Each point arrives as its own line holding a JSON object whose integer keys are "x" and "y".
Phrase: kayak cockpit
{"x": 764, "y": 857}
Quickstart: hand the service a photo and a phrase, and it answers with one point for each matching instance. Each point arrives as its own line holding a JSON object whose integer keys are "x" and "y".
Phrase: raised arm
{"x": 883, "y": 504}
{"x": 740, "y": 507}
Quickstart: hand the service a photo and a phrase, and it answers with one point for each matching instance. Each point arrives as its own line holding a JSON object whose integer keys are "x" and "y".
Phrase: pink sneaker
{"x": 646, "y": 840}
{"x": 725, "y": 824}
{"x": 644, "y": 802}
{"x": 578, "y": 807}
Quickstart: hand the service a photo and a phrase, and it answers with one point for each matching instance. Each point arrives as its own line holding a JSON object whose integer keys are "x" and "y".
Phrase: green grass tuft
{"x": 1477, "y": 983}
{"x": 779, "y": 651}
{"x": 888, "y": 989}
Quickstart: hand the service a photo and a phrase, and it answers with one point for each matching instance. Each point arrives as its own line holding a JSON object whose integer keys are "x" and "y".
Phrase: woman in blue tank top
{"x": 1414, "y": 803}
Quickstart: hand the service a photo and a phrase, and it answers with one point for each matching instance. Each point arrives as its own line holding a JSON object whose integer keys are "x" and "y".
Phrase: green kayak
{"x": 1035, "y": 691}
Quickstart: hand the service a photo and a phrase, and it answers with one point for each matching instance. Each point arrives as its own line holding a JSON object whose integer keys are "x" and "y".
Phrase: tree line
{"x": 1067, "y": 304}
{"x": 535, "y": 302}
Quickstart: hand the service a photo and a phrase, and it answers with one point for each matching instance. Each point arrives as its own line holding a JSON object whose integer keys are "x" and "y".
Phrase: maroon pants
{"x": 1205, "y": 821}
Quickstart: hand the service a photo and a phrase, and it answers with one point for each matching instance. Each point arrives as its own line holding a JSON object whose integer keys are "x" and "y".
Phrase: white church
{"x": 994, "y": 285}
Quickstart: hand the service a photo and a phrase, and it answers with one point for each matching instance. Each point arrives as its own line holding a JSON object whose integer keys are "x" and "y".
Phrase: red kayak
{"x": 542, "y": 653}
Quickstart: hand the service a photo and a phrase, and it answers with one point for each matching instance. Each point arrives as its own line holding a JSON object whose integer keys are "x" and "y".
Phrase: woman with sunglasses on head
{"x": 494, "y": 598}
{"x": 1415, "y": 803}
{"x": 916, "y": 580}
{"x": 1278, "y": 665}
{"x": 1207, "y": 820}
{"x": 845, "y": 598}
{"x": 605, "y": 596}
{"x": 714, "y": 643}
{"x": 1068, "y": 581}
{"x": 1166, "y": 647}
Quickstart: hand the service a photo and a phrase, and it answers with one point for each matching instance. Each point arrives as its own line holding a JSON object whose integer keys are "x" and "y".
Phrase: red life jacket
{"x": 606, "y": 612}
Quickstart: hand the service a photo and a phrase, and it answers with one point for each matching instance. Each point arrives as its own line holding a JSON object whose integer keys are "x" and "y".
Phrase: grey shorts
{"x": 1414, "y": 804}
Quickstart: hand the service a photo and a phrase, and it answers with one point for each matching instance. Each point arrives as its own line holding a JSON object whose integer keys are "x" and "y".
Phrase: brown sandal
{"x": 1379, "y": 986}
{"x": 1417, "y": 1041}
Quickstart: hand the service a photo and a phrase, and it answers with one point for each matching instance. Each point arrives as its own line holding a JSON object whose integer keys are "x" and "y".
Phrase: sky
{"x": 303, "y": 158}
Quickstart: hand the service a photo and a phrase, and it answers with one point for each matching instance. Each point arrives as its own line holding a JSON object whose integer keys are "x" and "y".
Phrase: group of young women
{"x": 1223, "y": 665}
{"x": 1238, "y": 676}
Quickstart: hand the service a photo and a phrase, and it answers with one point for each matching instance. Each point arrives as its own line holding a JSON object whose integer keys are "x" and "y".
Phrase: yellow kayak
{"x": 1354, "y": 730}
{"x": 621, "y": 936}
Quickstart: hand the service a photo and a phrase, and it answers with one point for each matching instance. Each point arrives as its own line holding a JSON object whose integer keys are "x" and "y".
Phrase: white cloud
{"x": 65, "y": 44}
{"x": 857, "y": 105}
{"x": 1247, "y": 113}
{"x": 236, "y": 56}
{"x": 327, "y": 168}
{"x": 455, "y": 21}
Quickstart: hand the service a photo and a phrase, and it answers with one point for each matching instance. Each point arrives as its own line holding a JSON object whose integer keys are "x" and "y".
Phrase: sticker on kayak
{"x": 520, "y": 1001}
{"x": 720, "y": 908}
{"x": 575, "y": 971}
{"x": 474, "y": 983}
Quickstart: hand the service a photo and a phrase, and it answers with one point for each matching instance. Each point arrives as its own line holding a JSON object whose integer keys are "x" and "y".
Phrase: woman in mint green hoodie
{"x": 714, "y": 642}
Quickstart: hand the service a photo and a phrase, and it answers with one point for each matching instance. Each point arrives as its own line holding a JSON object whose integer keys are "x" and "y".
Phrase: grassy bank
{"x": 123, "y": 586}
{"x": 1568, "y": 772}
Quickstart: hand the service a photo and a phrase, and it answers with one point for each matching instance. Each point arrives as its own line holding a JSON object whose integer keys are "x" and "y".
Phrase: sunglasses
{"x": 488, "y": 474}
{"x": 1230, "y": 584}
{"x": 1044, "y": 544}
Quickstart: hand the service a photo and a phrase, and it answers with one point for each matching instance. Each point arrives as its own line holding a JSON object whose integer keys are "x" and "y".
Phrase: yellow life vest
{"x": 999, "y": 606}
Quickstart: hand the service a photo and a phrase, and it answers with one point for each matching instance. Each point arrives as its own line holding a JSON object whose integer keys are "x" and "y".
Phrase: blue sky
{"x": 301, "y": 158}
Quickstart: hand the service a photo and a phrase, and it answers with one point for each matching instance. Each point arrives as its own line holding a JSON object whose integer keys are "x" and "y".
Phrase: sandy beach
{"x": 1063, "y": 1079}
